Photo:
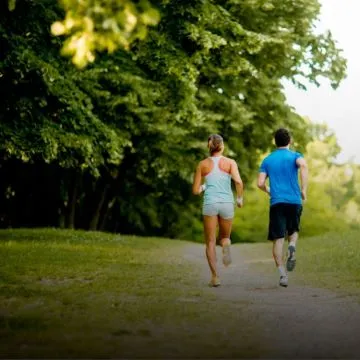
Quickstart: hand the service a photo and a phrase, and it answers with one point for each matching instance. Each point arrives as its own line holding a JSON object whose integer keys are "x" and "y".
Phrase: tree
{"x": 123, "y": 135}
{"x": 45, "y": 117}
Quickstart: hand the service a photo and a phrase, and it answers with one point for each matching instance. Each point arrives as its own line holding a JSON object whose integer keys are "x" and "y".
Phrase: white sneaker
{"x": 214, "y": 282}
{"x": 226, "y": 255}
{"x": 284, "y": 281}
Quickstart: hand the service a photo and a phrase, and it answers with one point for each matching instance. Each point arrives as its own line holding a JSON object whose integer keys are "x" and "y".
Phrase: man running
{"x": 281, "y": 167}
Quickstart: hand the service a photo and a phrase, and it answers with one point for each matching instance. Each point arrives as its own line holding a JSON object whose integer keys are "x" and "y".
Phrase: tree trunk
{"x": 106, "y": 214}
{"x": 96, "y": 217}
{"x": 61, "y": 220}
{"x": 72, "y": 202}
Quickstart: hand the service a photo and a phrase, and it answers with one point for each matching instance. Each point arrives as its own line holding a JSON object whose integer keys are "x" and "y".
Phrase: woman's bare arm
{"x": 239, "y": 186}
{"x": 196, "y": 188}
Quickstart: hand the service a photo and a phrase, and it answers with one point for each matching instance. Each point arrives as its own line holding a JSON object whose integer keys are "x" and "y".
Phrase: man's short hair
{"x": 282, "y": 137}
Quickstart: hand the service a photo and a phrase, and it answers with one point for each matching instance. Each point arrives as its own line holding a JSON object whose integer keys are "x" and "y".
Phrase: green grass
{"x": 329, "y": 261}
{"x": 76, "y": 294}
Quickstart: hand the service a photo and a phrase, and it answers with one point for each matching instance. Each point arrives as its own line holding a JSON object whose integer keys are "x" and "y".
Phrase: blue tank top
{"x": 218, "y": 185}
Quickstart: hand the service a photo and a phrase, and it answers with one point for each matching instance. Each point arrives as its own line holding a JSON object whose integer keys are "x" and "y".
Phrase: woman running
{"x": 218, "y": 205}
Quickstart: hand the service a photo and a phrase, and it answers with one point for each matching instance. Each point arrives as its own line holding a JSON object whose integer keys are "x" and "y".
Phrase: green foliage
{"x": 251, "y": 221}
{"x": 125, "y": 133}
{"x": 97, "y": 26}
{"x": 11, "y": 5}
{"x": 46, "y": 114}
{"x": 334, "y": 185}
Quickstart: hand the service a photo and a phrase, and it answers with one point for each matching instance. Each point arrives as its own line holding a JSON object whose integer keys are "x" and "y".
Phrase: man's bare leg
{"x": 291, "y": 261}
{"x": 278, "y": 245}
{"x": 293, "y": 238}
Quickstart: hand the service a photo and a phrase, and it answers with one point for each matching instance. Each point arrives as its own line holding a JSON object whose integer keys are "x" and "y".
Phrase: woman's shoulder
{"x": 228, "y": 160}
{"x": 205, "y": 161}
{"x": 226, "y": 164}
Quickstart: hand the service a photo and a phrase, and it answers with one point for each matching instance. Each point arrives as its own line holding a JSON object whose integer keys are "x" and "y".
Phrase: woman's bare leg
{"x": 225, "y": 226}
{"x": 210, "y": 224}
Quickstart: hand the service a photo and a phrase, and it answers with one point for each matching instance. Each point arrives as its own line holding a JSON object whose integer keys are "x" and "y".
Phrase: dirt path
{"x": 293, "y": 322}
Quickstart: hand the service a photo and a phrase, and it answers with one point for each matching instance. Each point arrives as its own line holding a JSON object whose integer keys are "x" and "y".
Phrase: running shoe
{"x": 291, "y": 261}
{"x": 226, "y": 255}
{"x": 214, "y": 282}
{"x": 284, "y": 281}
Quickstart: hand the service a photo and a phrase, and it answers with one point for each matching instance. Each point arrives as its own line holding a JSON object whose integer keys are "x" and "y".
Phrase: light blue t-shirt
{"x": 282, "y": 170}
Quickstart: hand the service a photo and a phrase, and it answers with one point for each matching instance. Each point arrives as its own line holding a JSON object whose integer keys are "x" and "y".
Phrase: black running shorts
{"x": 284, "y": 220}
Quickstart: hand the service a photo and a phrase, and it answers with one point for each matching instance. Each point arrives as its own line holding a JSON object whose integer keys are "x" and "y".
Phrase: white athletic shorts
{"x": 224, "y": 210}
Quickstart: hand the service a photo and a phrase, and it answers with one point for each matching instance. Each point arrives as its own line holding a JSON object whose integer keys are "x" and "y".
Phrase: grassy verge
{"x": 74, "y": 294}
{"x": 330, "y": 261}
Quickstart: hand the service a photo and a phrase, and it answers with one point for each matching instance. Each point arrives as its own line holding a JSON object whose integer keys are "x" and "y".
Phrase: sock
{"x": 292, "y": 244}
{"x": 282, "y": 271}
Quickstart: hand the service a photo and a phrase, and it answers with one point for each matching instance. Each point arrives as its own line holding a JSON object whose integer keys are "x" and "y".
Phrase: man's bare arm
{"x": 262, "y": 183}
{"x": 304, "y": 176}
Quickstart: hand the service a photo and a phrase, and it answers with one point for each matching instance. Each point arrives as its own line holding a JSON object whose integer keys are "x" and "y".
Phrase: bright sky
{"x": 340, "y": 109}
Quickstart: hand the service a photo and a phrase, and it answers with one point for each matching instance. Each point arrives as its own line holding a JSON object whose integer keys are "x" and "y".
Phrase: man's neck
{"x": 283, "y": 147}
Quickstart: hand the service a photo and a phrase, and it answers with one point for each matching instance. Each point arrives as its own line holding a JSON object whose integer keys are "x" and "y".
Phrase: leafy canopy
{"x": 96, "y": 25}
{"x": 142, "y": 116}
